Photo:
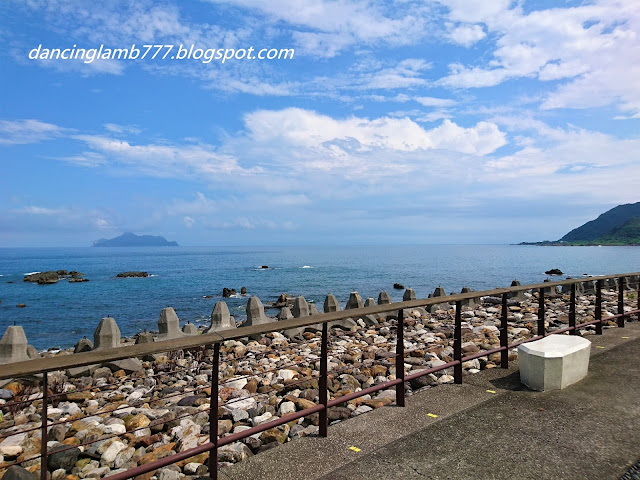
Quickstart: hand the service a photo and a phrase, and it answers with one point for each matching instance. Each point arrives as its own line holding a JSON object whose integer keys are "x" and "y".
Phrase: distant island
{"x": 129, "y": 239}
{"x": 618, "y": 226}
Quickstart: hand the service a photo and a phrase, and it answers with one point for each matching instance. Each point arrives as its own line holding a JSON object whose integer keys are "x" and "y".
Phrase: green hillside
{"x": 626, "y": 234}
{"x": 618, "y": 226}
{"x": 604, "y": 225}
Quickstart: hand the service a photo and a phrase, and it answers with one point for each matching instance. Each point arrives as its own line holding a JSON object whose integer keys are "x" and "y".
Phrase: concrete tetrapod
{"x": 107, "y": 335}
{"x": 169, "y": 324}
{"x": 13, "y": 345}
{"x": 438, "y": 292}
{"x": 221, "y": 319}
{"x": 331, "y": 304}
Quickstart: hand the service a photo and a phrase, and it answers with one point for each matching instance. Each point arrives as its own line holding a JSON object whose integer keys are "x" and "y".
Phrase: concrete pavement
{"x": 590, "y": 430}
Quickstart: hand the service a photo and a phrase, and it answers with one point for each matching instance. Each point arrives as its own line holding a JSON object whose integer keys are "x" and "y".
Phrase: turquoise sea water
{"x": 59, "y": 315}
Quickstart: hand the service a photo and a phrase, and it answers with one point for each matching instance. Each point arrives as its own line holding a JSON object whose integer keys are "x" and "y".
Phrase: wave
{"x": 306, "y": 266}
{"x": 30, "y": 273}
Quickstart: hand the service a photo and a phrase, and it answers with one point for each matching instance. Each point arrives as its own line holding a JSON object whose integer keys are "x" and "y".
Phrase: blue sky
{"x": 395, "y": 122}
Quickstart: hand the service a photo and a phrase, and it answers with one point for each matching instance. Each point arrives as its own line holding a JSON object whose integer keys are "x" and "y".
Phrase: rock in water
{"x": 554, "y": 271}
{"x": 42, "y": 278}
{"x": 133, "y": 274}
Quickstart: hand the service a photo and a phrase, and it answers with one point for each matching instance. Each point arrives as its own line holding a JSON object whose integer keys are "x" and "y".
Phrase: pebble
{"x": 255, "y": 388}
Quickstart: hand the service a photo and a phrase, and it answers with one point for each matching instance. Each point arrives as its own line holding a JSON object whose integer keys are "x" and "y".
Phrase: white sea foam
{"x": 30, "y": 273}
{"x": 306, "y": 266}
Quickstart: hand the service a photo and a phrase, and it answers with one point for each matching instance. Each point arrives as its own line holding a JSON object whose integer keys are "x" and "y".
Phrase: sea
{"x": 191, "y": 279}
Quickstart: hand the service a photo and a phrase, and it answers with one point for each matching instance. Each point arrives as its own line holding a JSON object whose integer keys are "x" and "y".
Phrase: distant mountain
{"x": 604, "y": 225}
{"x": 618, "y": 226}
{"x": 132, "y": 240}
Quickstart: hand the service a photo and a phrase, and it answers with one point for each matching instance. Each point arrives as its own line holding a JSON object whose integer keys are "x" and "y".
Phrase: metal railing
{"x": 43, "y": 366}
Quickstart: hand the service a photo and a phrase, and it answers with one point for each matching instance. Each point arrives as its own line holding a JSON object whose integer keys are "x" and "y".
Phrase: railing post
{"x": 44, "y": 428}
{"x": 213, "y": 413}
{"x": 457, "y": 344}
{"x": 541, "y": 330}
{"x": 598, "y": 312}
{"x": 621, "y": 302}
{"x": 323, "y": 394}
{"x": 504, "y": 339}
{"x": 400, "y": 358}
{"x": 572, "y": 311}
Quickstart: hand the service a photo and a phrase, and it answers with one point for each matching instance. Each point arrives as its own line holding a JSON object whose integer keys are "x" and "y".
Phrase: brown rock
{"x": 132, "y": 422}
{"x": 273, "y": 435}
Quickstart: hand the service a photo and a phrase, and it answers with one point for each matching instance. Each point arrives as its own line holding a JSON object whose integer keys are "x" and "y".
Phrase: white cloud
{"x": 467, "y": 35}
{"x": 588, "y": 47}
{"x": 72, "y": 218}
{"x": 116, "y": 128}
{"x": 14, "y": 132}
{"x": 201, "y": 205}
{"x": 325, "y": 27}
{"x": 165, "y": 160}
{"x": 435, "y": 102}
{"x": 312, "y": 130}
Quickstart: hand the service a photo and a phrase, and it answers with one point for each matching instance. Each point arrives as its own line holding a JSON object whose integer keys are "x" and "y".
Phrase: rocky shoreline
{"x": 141, "y": 411}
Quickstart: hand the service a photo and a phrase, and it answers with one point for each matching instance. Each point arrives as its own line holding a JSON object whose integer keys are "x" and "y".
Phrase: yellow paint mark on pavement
{"x": 355, "y": 449}
{"x": 491, "y": 391}
{"x": 432, "y": 415}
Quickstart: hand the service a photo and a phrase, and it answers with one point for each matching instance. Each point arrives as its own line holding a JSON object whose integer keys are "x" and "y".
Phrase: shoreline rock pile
{"x": 138, "y": 411}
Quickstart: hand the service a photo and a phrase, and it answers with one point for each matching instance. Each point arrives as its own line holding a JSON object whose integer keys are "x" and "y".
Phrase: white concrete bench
{"x": 553, "y": 362}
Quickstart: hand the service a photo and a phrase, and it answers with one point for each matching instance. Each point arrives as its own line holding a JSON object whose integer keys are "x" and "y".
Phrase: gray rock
{"x": 5, "y": 394}
{"x": 16, "y": 472}
{"x": 129, "y": 365}
{"x": 63, "y": 457}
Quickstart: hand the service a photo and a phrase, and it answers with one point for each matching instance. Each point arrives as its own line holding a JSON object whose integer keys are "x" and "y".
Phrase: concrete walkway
{"x": 590, "y": 430}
